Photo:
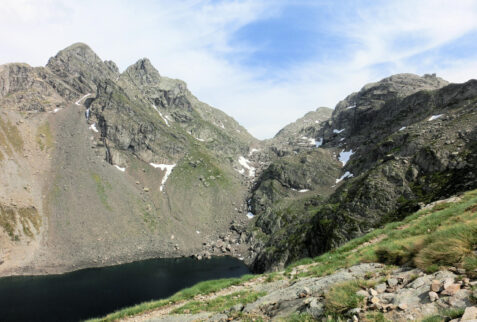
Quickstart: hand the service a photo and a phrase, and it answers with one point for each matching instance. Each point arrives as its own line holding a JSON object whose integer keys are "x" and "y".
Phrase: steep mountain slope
{"x": 101, "y": 167}
{"x": 402, "y": 141}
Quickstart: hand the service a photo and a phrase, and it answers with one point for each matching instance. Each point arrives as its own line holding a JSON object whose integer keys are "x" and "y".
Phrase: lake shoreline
{"x": 91, "y": 292}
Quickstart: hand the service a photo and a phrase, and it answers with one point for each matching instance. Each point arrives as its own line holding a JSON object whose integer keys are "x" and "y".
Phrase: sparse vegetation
{"x": 8, "y": 221}
{"x": 13, "y": 135}
{"x": 375, "y": 317}
{"x": 445, "y": 315}
{"x": 101, "y": 190}
{"x": 299, "y": 317}
{"x": 186, "y": 294}
{"x": 44, "y": 138}
{"x": 4, "y": 144}
{"x": 220, "y": 303}
{"x": 452, "y": 226}
{"x": 29, "y": 217}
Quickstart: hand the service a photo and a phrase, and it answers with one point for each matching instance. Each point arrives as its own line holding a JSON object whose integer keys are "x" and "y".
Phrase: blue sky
{"x": 267, "y": 62}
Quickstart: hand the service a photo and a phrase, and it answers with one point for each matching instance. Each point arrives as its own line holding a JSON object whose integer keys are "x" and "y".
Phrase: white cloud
{"x": 191, "y": 40}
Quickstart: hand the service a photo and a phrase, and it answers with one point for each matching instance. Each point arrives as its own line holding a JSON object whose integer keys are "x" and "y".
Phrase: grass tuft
{"x": 342, "y": 297}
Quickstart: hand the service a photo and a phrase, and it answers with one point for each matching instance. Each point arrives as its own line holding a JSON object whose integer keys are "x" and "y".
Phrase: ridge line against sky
{"x": 266, "y": 63}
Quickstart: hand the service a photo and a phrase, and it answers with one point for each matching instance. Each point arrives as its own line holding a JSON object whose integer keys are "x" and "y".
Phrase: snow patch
{"x": 164, "y": 167}
{"x": 245, "y": 163}
{"x": 252, "y": 151}
{"x": 250, "y": 215}
{"x": 344, "y": 176}
{"x": 197, "y": 232}
{"x": 310, "y": 140}
{"x": 351, "y": 106}
{"x": 241, "y": 171}
{"x": 319, "y": 142}
{"x": 403, "y": 128}
{"x": 78, "y": 102}
{"x": 160, "y": 114}
{"x": 303, "y": 190}
{"x": 56, "y": 110}
{"x": 93, "y": 127}
{"x": 345, "y": 156}
{"x": 338, "y": 131}
{"x": 317, "y": 122}
{"x": 119, "y": 168}
{"x": 434, "y": 117}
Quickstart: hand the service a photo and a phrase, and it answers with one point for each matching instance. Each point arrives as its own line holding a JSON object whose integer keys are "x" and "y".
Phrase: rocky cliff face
{"x": 403, "y": 141}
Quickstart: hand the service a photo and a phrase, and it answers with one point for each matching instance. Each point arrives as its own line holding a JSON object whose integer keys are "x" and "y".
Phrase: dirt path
{"x": 166, "y": 310}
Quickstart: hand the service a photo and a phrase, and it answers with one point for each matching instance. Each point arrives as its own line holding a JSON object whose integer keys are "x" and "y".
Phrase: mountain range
{"x": 101, "y": 167}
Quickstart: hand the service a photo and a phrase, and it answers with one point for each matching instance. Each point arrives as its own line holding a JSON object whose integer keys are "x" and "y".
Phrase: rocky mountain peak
{"x": 143, "y": 72}
{"x": 80, "y": 67}
{"x": 300, "y": 134}
{"x": 399, "y": 85}
{"x": 375, "y": 101}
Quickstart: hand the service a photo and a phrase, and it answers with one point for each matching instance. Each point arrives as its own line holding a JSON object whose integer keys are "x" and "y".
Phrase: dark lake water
{"x": 95, "y": 292}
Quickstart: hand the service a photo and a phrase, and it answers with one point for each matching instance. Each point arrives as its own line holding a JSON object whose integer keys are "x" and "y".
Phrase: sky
{"x": 265, "y": 63}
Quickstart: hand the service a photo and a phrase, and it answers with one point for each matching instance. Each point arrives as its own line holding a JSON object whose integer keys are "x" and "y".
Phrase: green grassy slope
{"x": 444, "y": 235}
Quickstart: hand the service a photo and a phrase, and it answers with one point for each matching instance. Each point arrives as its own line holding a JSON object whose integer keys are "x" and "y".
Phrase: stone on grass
{"x": 433, "y": 296}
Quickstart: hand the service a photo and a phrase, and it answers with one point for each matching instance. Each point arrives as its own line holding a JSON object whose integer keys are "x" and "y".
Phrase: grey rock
{"x": 381, "y": 288}
{"x": 460, "y": 299}
{"x": 237, "y": 308}
{"x": 433, "y": 296}
{"x": 392, "y": 282}
{"x": 316, "y": 308}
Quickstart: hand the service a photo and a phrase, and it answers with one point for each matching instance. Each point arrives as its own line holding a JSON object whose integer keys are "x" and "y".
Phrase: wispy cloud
{"x": 266, "y": 63}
